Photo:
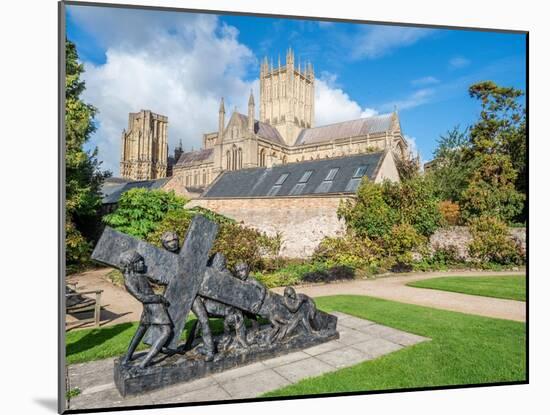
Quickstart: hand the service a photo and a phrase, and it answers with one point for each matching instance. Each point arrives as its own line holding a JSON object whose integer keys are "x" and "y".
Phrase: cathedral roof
{"x": 263, "y": 130}
{"x": 346, "y": 129}
{"x": 192, "y": 157}
{"x": 316, "y": 177}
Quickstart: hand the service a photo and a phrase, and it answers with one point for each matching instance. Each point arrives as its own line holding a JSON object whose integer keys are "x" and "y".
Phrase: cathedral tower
{"x": 287, "y": 96}
{"x": 144, "y": 147}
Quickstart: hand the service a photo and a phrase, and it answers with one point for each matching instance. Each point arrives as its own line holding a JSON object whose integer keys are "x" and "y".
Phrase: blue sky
{"x": 180, "y": 64}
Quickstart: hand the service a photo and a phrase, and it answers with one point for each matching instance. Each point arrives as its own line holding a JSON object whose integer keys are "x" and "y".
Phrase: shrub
{"x": 378, "y": 207}
{"x": 414, "y": 202}
{"x": 400, "y": 244}
{"x": 491, "y": 191}
{"x": 491, "y": 242}
{"x": 369, "y": 216}
{"x": 450, "y": 212}
{"x": 291, "y": 274}
{"x": 351, "y": 251}
{"x": 140, "y": 211}
{"x": 77, "y": 248}
{"x": 235, "y": 241}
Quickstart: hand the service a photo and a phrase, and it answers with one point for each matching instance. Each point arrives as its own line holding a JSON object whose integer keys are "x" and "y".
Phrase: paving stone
{"x": 255, "y": 384}
{"x": 98, "y": 388}
{"x": 341, "y": 316}
{"x": 239, "y": 372}
{"x": 210, "y": 393}
{"x": 166, "y": 394}
{"x": 355, "y": 323}
{"x": 325, "y": 347}
{"x": 303, "y": 369}
{"x": 352, "y": 336}
{"x": 87, "y": 379}
{"x": 288, "y": 358}
{"x": 348, "y": 356}
{"x": 377, "y": 347}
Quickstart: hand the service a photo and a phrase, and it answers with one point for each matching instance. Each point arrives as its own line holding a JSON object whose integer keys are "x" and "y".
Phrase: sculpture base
{"x": 168, "y": 370}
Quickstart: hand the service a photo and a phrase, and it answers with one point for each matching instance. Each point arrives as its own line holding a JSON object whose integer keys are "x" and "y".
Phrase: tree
{"x": 83, "y": 177}
{"x": 452, "y": 169}
{"x": 498, "y": 148}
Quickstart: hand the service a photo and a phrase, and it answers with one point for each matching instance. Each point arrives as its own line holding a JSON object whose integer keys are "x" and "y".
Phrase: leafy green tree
{"x": 83, "y": 177}
{"x": 498, "y": 148}
{"x": 452, "y": 169}
{"x": 140, "y": 211}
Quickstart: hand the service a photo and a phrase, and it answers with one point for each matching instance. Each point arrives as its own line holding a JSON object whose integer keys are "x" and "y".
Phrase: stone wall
{"x": 460, "y": 237}
{"x": 302, "y": 221}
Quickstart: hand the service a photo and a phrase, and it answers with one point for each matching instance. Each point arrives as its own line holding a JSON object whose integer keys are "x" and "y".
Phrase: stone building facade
{"x": 144, "y": 147}
{"x": 285, "y": 132}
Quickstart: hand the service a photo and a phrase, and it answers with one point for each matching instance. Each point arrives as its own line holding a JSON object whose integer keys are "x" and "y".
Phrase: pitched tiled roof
{"x": 346, "y": 129}
{"x": 264, "y": 130}
{"x": 192, "y": 157}
{"x": 113, "y": 191}
{"x": 303, "y": 178}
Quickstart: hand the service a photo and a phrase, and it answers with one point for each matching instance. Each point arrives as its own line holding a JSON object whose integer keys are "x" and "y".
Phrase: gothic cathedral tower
{"x": 287, "y": 97}
{"x": 144, "y": 147}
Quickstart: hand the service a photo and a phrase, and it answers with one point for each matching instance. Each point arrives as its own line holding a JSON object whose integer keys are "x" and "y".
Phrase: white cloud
{"x": 377, "y": 41}
{"x": 426, "y": 80}
{"x": 415, "y": 99}
{"x": 180, "y": 74}
{"x": 458, "y": 62}
{"x": 333, "y": 105}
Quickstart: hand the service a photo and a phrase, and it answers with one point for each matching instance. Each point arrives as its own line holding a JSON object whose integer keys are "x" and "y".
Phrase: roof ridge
{"x": 355, "y": 119}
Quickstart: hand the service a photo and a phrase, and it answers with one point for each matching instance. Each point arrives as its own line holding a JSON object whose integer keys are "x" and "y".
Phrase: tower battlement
{"x": 287, "y": 96}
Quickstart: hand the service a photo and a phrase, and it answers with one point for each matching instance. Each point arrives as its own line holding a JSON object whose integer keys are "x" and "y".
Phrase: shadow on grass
{"x": 96, "y": 337}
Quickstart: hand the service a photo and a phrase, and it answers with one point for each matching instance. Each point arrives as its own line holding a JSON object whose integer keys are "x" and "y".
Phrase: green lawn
{"x": 464, "y": 349}
{"x": 92, "y": 344}
{"x": 510, "y": 287}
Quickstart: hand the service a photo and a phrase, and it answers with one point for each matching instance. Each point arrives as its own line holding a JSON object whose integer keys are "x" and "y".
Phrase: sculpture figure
{"x": 154, "y": 307}
{"x": 170, "y": 242}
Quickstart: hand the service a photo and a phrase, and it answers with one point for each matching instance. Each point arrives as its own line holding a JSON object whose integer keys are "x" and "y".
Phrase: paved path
{"x": 395, "y": 288}
{"x": 120, "y": 307}
{"x": 360, "y": 340}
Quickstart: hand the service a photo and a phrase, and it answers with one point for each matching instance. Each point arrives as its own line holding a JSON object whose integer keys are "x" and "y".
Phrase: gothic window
{"x": 234, "y": 158}
{"x": 228, "y": 160}
{"x": 284, "y": 160}
{"x": 240, "y": 163}
{"x": 262, "y": 157}
{"x": 204, "y": 177}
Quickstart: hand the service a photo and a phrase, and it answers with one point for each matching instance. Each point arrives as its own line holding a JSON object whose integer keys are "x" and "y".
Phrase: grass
{"x": 101, "y": 343}
{"x": 509, "y": 287}
{"x": 464, "y": 349}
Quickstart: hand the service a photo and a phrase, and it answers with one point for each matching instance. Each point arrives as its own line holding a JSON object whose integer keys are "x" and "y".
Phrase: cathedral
{"x": 285, "y": 133}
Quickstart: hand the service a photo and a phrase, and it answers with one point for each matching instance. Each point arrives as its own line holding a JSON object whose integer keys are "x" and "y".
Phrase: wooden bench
{"x": 76, "y": 303}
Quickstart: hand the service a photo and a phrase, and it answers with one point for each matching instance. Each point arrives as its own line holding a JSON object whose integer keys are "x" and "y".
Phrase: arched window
{"x": 262, "y": 157}
{"x": 204, "y": 177}
{"x": 284, "y": 160}
{"x": 228, "y": 160}
{"x": 240, "y": 158}
{"x": 234, "y": 158}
